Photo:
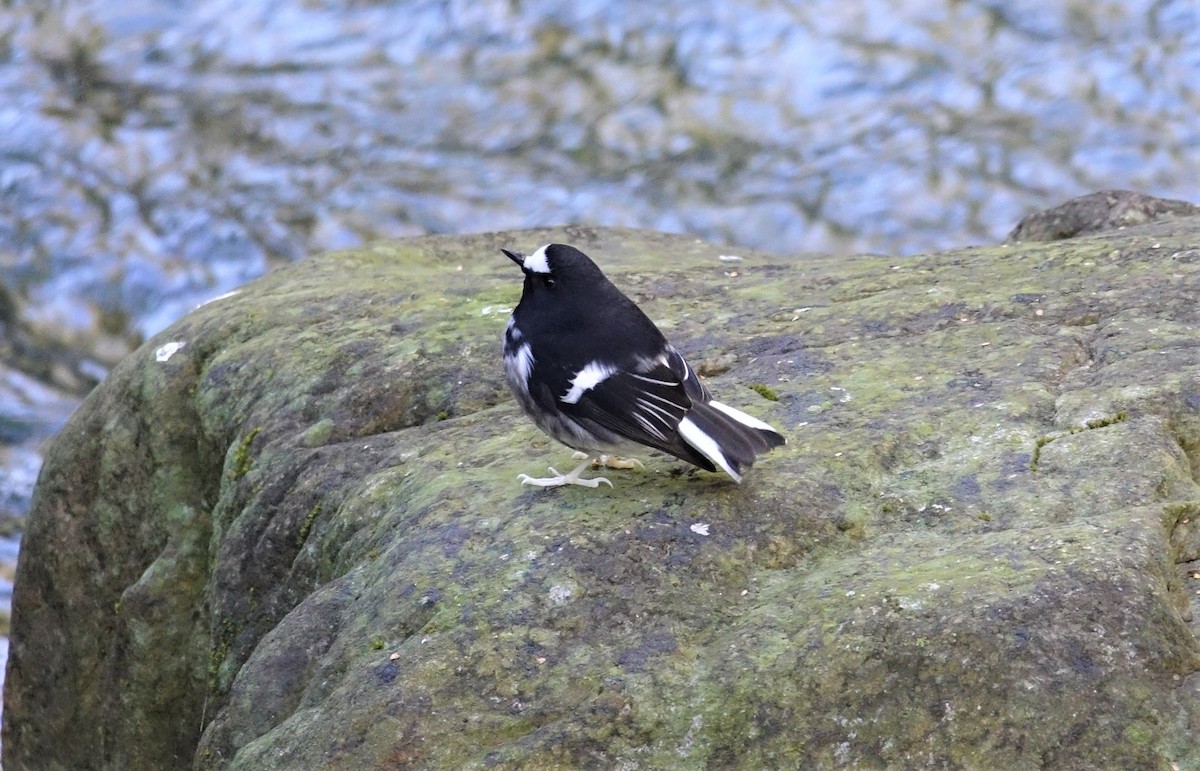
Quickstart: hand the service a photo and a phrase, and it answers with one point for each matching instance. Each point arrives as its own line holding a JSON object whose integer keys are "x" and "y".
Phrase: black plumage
{"x": 595, "y": 373}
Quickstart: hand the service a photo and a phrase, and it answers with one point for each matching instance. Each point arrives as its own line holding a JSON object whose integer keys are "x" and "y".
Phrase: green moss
{"x": 377, "y": 643}
{"x": 765, "y": 391}
{"x": 1140, "y": 734}
{"x": 1096, "y": 423}
{"x": 318, "y": 434}
{"x": 1036, "y": 456}
{"x": 854, "y": 522}
{"x": 306, "y": 525}
{"x": 241, "y": 458}
{"x": 220, "y": 652}
{"x": 1178, "y": 511}
{"x": 1104, "y": 422}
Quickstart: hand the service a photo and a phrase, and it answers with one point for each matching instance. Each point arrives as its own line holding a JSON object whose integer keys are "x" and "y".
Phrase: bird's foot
{"x": 559, "y": 480}
{"x": 616, "y": 461}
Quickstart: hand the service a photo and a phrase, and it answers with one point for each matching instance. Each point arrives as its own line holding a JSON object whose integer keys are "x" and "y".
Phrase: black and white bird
{"x": 594, "y": 373}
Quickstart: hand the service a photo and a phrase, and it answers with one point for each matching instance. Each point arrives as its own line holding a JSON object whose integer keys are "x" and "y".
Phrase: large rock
{"x": 298, "y": 541}
{"x": 1097, "y": 213}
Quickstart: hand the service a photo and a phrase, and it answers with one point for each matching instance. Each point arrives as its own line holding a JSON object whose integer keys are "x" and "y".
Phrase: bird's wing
{"x": 691, "y": 383}
{"x": 644, "y": 402}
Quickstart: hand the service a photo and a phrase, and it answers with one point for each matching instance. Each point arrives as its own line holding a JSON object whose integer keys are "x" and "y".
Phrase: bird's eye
{"x": 547, "y": 281}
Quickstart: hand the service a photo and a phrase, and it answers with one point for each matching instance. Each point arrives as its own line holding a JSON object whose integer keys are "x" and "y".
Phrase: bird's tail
{"x": 729, "y": 438}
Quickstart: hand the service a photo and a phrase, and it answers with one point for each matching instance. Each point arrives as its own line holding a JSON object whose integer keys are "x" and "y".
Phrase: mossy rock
{"x": 298, "y": 541}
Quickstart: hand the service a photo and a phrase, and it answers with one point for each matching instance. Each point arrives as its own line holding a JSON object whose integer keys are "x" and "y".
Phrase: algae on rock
{"x": 300, "y": 543}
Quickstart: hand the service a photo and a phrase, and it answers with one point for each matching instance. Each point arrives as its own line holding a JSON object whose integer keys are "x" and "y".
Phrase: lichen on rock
{"x": 300, "y": 542}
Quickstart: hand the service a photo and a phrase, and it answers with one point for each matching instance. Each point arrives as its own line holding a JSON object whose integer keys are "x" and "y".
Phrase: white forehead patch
{"x": 537, "y": 261}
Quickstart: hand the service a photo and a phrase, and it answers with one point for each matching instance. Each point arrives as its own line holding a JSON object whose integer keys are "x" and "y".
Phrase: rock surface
{"x": 1098, "y": 213}
{"x": 287, "y": 532}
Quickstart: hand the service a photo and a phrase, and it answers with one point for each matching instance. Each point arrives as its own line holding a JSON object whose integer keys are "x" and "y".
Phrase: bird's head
{"x": 556, "y": 267}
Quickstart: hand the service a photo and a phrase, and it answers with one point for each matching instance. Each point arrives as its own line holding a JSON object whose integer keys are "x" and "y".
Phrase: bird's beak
{"x": 516, "y": 257}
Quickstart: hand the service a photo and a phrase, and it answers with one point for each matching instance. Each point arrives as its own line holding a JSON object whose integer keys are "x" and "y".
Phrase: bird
{"x": 596, "y": 374}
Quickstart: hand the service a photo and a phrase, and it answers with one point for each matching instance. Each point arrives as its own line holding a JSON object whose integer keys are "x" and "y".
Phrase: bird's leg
{"x": 558, "y": 479}
{"x": 616, "y": 461}
{"x": 609, "y": 461}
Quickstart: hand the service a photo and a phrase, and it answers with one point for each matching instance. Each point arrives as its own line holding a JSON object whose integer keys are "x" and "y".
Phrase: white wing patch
{"x": 742, "y": 417}
{"x": 587, "y": 378}
{"x": 706, "y": 446}
{"x": 537, "y": 261}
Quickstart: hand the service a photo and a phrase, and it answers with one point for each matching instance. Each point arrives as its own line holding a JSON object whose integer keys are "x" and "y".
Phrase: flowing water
{"x": 157, "y": 152}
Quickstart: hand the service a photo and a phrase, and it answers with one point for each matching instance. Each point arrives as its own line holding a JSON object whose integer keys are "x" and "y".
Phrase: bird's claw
{"x": 559, "y": 479}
